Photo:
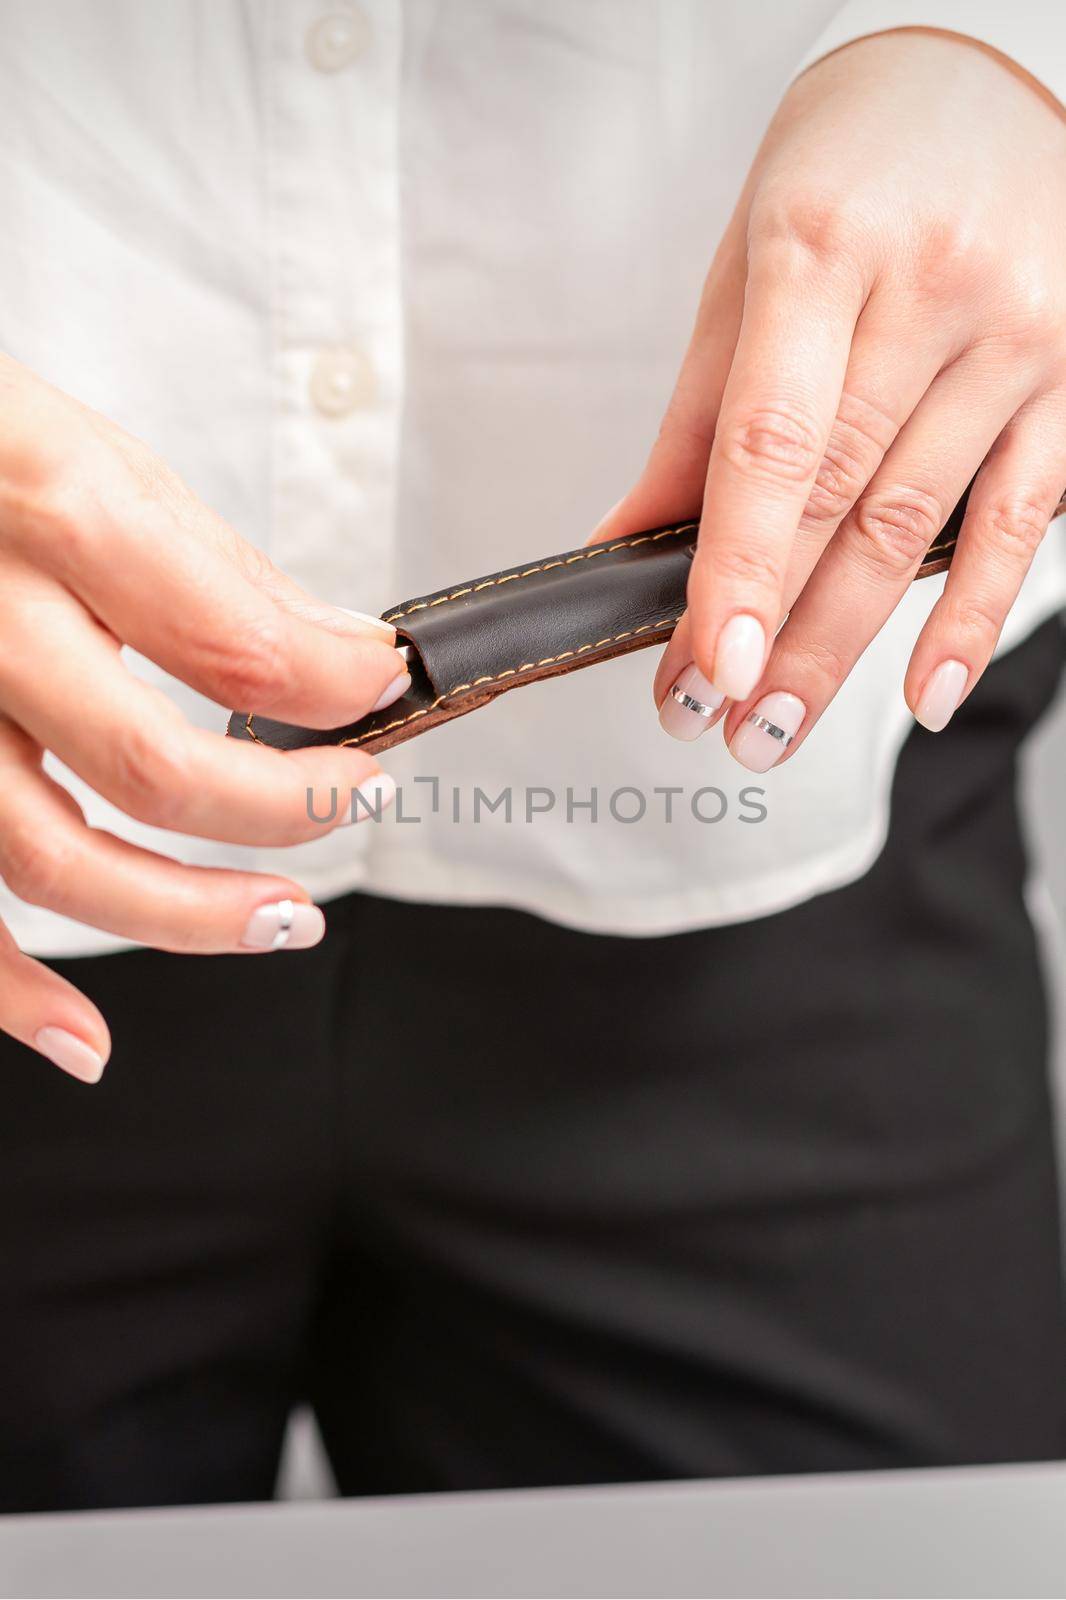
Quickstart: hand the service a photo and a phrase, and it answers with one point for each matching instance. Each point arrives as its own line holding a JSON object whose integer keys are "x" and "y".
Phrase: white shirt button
{"x": 342, "y": 379}
{"x": 335, "y": 40}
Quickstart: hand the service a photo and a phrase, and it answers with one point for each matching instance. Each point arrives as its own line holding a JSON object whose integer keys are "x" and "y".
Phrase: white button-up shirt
{"x": 401, "y": 288}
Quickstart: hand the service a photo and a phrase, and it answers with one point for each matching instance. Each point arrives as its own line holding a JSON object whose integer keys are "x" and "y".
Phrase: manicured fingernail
{"x": 940, "y": 698}
{"x": 604, "y": 520}
{"x": 66, "y": 1050}
{"x": 691, "y": 703}
{"x": 768, "y": 730}
{"x": 371, "y": 799}
{"x": 399, "y": 685}
{"x": 284, "y": 925}
{"x": 370, "y": 622}
{"x": 738, "y": 660}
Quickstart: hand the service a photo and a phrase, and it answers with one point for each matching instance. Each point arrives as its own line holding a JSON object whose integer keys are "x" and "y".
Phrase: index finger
{"x": 777, "y": 412}
{"x": 156, "y": 574}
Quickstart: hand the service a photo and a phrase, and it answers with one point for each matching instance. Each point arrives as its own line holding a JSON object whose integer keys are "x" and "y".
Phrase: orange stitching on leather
{"x": 546, "y": 661}
{"x": 528, "y": 666}
{"x": 545, "y": 566}
{"x": 509, "y": 672}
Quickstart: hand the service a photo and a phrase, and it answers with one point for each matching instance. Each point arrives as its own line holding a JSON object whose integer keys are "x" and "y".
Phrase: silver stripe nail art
{"x": 771, "y": 728}
{"x": 286, "y": 912}
{"x": 689, "y": 704}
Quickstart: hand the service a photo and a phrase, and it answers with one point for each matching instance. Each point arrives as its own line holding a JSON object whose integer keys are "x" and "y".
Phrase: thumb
{"x": 291, "y": 597}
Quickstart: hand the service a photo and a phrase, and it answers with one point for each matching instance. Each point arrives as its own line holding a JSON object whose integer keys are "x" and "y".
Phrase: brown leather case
{"x": 475, "y": 640}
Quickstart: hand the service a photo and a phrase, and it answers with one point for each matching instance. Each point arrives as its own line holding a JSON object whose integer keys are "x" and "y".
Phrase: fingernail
{"x": 768, "y": 730}
{"x": 604, "y": 520}
{"x": 371, "y": 798}
{"x": 66, "y": 1050}
{"x": 738, "y": 660}
{"x": 371, "y": 622}
{"x": 940, "y": 698}
{"x": 691, "y": 703}
{"x": 399, "y": 685}
{"x": 284, "y": 925}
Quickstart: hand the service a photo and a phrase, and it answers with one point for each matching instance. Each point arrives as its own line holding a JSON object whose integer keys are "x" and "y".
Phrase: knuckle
{"x": 248, "y": 665}
{"x": 35, "y": 867}
{"x": 1033, "y": 320}
{"x": 976, "y": 619}
{"x": 893, "y": 529}
{"x": 821, "y": 663}
{"x": 805, "y": 227}
{"x": 149, "y": 775}
{"x": 859, "y": 439}
{"x": 747, "y": 566}
{"x": 777, "y": 443}
{"x": 842, "y": 476}
{"x": 949, "y": 258}
{"x": 68, "y": 520}
{"x": 1014, "y": 527}
{"x": 832, "y": 496}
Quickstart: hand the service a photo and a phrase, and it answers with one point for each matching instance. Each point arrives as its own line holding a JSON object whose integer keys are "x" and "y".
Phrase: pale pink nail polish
{"x": 768, "y": 730}
{"x": 371, "y": 799}
{"x": 284, "y": 925}
{"x": 399, "y": 685}
{"x": 66, "y": 1050}
{"x": 940, "y": 698}
{"x": 370, "y": 622}
{"x": 689, "y": 706}
{"x": 738, "y": 660}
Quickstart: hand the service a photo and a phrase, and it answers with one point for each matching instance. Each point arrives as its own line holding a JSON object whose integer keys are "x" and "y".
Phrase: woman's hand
{"x": 886, "y": 312}
{"x": 101, "y": 546}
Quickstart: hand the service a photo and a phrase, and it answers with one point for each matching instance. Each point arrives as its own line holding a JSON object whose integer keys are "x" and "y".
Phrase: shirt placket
{"x": 331, "y": 107}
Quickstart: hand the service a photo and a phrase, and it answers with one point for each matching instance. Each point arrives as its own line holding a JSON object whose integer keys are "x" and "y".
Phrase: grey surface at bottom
{"x": 973, "y": 1532}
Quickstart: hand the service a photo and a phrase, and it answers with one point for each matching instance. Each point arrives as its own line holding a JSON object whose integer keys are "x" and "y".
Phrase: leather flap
{"x": 478, "y": 639}
{"x": 473, "y": 641}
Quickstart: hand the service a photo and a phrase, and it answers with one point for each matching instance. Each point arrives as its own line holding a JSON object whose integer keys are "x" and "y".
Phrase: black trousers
{"x": 515, "y": 1205}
